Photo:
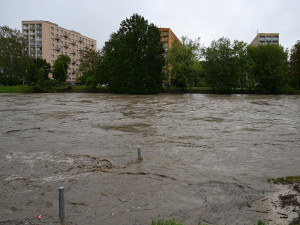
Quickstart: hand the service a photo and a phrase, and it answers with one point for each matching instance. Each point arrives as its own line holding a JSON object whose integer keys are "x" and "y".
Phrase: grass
{"x": 285, "y": 180}
{"x": 15, "y": 89}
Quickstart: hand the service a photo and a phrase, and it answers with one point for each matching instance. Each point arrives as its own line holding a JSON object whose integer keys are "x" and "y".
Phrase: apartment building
{"x": 47, "y": 40}
{"x": 265, "y": 38}
{"x": 167, "y": 38}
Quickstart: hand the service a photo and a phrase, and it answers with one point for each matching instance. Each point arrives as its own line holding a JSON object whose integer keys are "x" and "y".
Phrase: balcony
{"x": 81, "y": 40}
{"x": 57, "y": 38}
{"x": 32, "y": 44}
{"x": 73, "y": 62}
{"x": 57, "y": 48}
{"x": 66, "y": 35}
{"x": 66, "y": 45}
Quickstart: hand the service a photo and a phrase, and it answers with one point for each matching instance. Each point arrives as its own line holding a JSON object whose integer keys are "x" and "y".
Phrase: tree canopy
{"x": 60, "y": 68}
{"x": 220, "y": 66}
{"x": 133, "y": 57}
{"x": 270, "y": 66}
{"x": 13, "y": 55}
{"x": 183, "y": 59}
{"x": 295, "y": 66}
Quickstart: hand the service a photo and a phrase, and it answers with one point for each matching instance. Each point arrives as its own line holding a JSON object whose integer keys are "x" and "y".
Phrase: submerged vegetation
{"x": 285, "y": 180}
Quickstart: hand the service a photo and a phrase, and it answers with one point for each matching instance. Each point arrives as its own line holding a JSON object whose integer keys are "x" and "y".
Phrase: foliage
{"x": 285, "y": 180}
{"x": 260, "y": 223}
{"x": 270, "y": 67}
{"x": 184, "y": 61}
{"x": 60, "y": 68}
{"x": 165, "y": 222}
{"x": 294, "y": 73}
{"x": 240, "y": 61}
{"x": 89, "y": 63}
{"x": 13, "y": 55}
{"x": 37, "y": 75}
{"x": 133, "y": 57}
{"x": 220, "y": 65}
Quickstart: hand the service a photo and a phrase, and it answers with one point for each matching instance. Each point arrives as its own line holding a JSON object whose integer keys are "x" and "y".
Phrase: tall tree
{"x": 60, "y": 68}
{"x": 133, "y": 57}
{"x": 240, "y": 60}
{"x": 13, "y": 55}
{"x": 184, "y": 62}
{"x": 295, "y": 66}
{"x": 220, "y": 66}
{"x": 89, "y": 63}
{"x": 270, "y": 66}
{"x": 34, "y": 67}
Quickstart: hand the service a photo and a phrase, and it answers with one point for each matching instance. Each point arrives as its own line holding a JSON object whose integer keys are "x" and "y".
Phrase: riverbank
{"x": 84, "y": 89}
{"x": 282, "y": 207}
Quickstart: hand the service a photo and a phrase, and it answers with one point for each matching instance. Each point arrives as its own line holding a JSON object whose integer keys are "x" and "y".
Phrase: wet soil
{"x": 206, "y": 158}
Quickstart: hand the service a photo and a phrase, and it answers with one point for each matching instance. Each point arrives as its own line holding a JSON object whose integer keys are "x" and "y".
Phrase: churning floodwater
{"x": 206, "y": 158}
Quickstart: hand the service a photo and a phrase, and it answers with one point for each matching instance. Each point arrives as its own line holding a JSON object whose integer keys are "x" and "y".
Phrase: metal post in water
{"x": 61, "y": 203}
{"x": 139, "y": 152}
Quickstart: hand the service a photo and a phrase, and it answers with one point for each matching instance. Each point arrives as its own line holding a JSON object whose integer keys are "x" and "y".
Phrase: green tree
{"x": 33, "y": 75}
{"x": 270, "y": 67}
{"x": 89, "y": 63}
{"x": 240, "y": 61}
{"x": 184, "y": 62}
{"x": 294, "y": 73}
{"x": 60, "y": 68}
{"x": 133, "y": 57}
{"x": 13, "y": 55}
{"x": 42, "y": 63}
{"x": 220, "y": 65}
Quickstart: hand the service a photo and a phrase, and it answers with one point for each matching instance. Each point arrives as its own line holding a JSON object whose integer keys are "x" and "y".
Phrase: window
{"x": 52, "y": 28}
{"x": 52, "y": 34}
{"x": 52, "y": 56}
{"x": 52, "y": 50}
{"x": 52, "y": 45}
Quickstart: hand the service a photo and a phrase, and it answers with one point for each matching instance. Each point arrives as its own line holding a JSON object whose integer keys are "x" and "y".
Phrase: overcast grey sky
{"x": 207, "y": 19}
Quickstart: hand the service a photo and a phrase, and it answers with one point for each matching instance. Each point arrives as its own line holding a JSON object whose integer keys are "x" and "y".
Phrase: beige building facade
{"x": 265, "y": 38}
{"x": 47, "y": 40}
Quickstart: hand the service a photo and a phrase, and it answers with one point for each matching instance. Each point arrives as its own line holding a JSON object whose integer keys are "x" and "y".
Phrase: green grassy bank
{"x": 84, "y": 89}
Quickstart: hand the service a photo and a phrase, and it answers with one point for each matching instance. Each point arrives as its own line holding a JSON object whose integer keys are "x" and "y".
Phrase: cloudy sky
{"x": 207, "y": 19}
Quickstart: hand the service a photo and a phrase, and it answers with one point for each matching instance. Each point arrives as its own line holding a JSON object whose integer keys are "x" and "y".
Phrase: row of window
{"x": 69, "y": 34}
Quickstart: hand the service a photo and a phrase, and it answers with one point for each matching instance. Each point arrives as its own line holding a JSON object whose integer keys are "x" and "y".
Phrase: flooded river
{"x": 206, "y": 158}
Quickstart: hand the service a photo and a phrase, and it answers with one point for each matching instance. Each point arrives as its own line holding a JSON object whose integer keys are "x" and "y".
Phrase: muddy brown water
{"x": 206, "y": 158}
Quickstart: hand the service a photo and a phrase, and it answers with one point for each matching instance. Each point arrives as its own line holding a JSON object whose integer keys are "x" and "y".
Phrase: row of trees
{"x": 16, "y": 66}
{"x": 132, "y": 61}
{"x": 227, "y": 66}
